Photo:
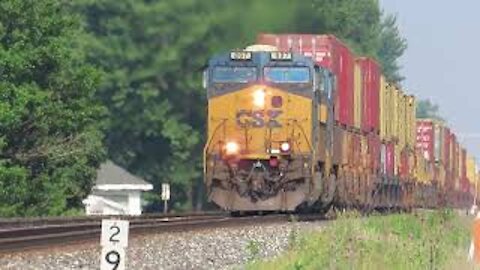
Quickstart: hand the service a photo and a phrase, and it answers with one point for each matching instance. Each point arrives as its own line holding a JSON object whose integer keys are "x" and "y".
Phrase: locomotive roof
{"x": 260, "y": 58}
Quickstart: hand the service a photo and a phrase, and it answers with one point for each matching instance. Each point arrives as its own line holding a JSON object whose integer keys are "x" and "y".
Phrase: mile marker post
{"x": 114, "y": 240}
{"x": 165, "y": 196}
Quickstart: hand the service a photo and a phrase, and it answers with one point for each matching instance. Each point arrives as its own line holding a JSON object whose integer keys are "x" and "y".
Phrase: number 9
{"x": 115, "y": 260}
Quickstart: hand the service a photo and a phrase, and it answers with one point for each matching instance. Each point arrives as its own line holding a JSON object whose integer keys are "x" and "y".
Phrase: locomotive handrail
{"x": 303, "y": 133}
{"x": 207, "y": 145}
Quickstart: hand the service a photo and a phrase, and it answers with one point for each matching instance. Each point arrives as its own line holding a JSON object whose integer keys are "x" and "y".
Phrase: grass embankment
{"x": 434, "y": 240}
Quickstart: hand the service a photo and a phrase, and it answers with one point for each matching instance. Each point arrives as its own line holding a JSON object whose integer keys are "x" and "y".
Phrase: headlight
{"x": 259, "y": 98}
{"x": 232, "y": 148}
{"x": 285, "y": 147}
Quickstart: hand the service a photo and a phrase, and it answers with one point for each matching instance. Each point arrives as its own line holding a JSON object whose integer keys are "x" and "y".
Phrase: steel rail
{"x": 21, "y": 239}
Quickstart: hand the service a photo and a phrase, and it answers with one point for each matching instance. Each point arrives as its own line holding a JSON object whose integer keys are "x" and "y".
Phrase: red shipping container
{"x": 390, "y": 159}
{"x": 455, "y": 164}
{"x": 374, "y": 152}
{"x": 329, "y": 52}
{"x": 446, "y": 148}
{"x": 425, "y": 139}
{"x": 370, "y": 94}
{"x": 463, "y": 163}
{"x": 404, "y": 164}
{"x": 357, "y": 146}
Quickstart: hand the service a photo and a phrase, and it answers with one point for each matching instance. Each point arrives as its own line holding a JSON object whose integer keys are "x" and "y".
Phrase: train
{"x": 298, "y": 122}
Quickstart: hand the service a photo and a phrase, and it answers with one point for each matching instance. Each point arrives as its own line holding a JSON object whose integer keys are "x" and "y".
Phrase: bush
{"x": 418, "y": 241}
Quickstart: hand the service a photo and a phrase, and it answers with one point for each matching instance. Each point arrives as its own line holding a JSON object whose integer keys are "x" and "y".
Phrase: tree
{"x": 392, "y": 46}
{"x": 428, "y": 109}
{"x": 360, "y": 24}
{"x": 50, "y": 144}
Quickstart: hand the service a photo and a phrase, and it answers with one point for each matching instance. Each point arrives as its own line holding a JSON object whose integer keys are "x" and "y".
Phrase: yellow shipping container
{"x": 357, "y": 96}
{"x": 477, "y": 184}
{"x": 395, "y": 113}
{"x": 421, "y": 169}
{"x": 390, "y": 101}
{"x": 401, "y": 120}
{"x": 411, "y": 122}
{"x": 471, "y": 169}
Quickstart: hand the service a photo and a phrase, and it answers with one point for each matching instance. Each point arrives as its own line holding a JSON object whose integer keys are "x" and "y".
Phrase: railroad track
{"x": 88, "y": 229}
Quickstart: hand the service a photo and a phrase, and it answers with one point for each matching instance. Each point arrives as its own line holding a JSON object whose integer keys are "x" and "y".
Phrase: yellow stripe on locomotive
{"x": 259, "y": 120}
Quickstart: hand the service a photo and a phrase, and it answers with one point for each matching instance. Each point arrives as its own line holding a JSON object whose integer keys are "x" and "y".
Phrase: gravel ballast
{"x": 220, "y": 248}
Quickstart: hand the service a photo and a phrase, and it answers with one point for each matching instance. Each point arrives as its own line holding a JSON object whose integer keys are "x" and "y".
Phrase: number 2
{"x": 116, "y": 262}
{"x": 114, "y": 234}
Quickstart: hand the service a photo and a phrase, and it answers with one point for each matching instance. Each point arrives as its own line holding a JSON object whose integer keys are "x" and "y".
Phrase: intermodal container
{"x": 370, "y": 95}
{"x": 463, "y": 164}
{"x": 402, "y": 120}
{"x": 394, "y": 113}
{"x": 405, "y": 164}
{"x": 438, "y": 147}
{"x": 329, "y": 52}
{"x": 390, "y": 111}
{"x": 390, "y": 159}
{"x": 357, "y": 150}
{"x": 421, "y": 167}
{"x": 364, "y": 153}
{"x": 453, "y": 159}
{"x": 383, "y": 109}
{"x": 440, "y": 175}
{"x": 471, "y": 169}
{"x": 411, "y": 121}
{"x": 446, "y": 148}
{"x": 357, "y": 95}
{"x": 456, "y": 162}
{"x": 425, "y": 138}
{"x": 374, "y": 152}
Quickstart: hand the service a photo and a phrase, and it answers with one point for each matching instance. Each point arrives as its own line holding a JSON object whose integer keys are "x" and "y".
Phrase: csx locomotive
{"x": 270, "y": 131}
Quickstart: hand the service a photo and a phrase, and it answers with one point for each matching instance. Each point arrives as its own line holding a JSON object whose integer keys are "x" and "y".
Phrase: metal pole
{"x": 165, "y": 206}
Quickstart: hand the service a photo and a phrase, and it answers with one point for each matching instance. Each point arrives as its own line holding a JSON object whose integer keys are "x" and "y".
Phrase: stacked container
{"x": 458, "y": 165}
{"x": 370, "y": 73}
{"x": 374, "y": 145}
{"x": 329, "y": 52}
{"x": 426, "y": 138}
{"x": 402, "y": 120}
{"x": 411, "y": 127}
{"x": 383, "y": 109}
{"x": 357, "y": 95}
{"x": 421, "y": 168}
{"x": 394, "y": 114}
{"x": 471, "y": 170}
{"x": 463, "y": 170}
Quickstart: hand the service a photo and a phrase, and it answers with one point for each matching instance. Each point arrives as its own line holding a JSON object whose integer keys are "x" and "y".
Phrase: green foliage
{"x": 392, "y": 46}
{"x": 253, "y": 250}
{"x": 428, "y": 109}
{"x": 50, "y": 142}
{"x": 420, "y": 241}
{"x": 361, "y": 24}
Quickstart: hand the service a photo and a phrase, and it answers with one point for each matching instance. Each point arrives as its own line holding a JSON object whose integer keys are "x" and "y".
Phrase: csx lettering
{"x": 259, "y": 118}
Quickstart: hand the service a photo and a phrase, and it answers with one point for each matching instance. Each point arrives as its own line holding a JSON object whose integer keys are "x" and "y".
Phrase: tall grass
{"x": 423, "y": 240}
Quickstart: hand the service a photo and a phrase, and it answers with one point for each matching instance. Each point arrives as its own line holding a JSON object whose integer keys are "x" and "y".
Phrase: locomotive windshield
{"x": 234, "y": 74}
{"x": 287, "y": 74}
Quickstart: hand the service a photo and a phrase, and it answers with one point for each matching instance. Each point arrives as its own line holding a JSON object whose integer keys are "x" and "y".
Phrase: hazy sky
{"x": 442, "y": 61}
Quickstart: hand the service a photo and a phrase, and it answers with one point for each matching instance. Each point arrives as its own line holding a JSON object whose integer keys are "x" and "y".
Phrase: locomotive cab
{"x": 268, "y": 122}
